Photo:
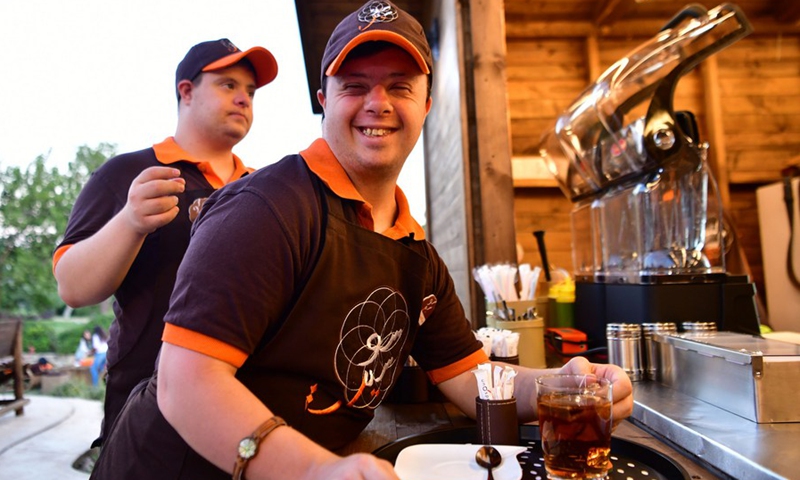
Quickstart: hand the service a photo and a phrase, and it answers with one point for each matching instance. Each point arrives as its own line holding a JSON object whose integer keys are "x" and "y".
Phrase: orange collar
{"x": 168, "y": 152}
{"x": 321, "y": 160}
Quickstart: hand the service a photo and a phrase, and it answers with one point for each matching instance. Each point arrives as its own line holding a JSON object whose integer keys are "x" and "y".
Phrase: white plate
{"x": 438, "y": 461}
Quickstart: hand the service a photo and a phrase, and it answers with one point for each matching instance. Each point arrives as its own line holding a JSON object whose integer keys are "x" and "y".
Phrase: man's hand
{"x": 622, "y": 389}
{"x": 359, "y": 466}
{"x": 152, "y": 199}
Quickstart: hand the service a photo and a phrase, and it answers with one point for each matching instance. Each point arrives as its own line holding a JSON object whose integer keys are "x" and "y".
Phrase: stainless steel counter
{"x": 716, "y": 438}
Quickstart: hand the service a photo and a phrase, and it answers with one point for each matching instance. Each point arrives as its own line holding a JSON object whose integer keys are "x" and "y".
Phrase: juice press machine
{"x": 647, "y": 221}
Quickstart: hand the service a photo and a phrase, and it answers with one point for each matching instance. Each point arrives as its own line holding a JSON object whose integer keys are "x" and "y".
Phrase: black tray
{"x": 631, "y": 460}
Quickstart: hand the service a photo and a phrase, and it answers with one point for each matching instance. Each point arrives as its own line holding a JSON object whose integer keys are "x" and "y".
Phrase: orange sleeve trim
{"x": 57, "y": 256}
{"x": 197, "y": 342}
{"x": 455, "y": 369}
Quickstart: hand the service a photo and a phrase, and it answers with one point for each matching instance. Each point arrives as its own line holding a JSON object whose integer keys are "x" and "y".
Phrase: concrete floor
{"x": 43, "y": 443}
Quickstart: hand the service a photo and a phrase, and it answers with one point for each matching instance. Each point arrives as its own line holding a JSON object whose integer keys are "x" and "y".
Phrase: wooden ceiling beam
{"x": 622, "y": 29}
{"x": 787, "y": 12}
{"x": 609, "y": 10}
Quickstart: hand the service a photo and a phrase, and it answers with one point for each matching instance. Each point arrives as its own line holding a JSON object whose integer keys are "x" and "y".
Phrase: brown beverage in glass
{"x": 575, "y": 424}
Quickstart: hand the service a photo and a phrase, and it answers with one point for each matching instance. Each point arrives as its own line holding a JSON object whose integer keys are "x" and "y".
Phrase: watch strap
{"x": 248, "y": 446}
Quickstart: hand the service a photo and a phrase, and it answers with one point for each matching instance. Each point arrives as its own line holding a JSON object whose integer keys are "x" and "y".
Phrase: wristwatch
{"x": 248, "y": 446}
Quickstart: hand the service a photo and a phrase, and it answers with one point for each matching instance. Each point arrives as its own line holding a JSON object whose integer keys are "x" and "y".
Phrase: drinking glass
{"x": 575, "y": 423}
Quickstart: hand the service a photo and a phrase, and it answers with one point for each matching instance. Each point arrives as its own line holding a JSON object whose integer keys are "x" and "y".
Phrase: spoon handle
{"x": 490, "y": 477}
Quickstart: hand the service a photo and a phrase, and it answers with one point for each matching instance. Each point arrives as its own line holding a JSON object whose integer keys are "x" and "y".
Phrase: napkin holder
{"x": 497, "y": 421}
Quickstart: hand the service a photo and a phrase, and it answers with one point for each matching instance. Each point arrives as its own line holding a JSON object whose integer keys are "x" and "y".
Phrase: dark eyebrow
{"x": 228, "y": 78}
{"x": 360, "y": 75}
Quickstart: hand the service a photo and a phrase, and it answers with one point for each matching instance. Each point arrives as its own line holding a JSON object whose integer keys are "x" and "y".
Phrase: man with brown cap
{"x": 129, "y": 228}
{"x": 323, "y": 285}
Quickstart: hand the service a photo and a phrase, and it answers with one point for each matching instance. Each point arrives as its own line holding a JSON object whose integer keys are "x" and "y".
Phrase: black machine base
{"x": 727, "y": 300}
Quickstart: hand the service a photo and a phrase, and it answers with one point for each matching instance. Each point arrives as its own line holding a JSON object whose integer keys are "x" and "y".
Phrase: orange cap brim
{"x": 263, "y": 62}
{"x": 376, "y": 36}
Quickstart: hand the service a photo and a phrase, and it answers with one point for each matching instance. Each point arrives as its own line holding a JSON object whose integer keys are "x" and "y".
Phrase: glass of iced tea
{"x": 575, "y": 422}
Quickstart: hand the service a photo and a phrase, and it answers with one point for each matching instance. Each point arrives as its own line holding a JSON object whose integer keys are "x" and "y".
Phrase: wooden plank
{"x": 761, "y": 48}
{"x": 531, "y": 126}
{"x": 534, "y": 182}
{"x": 610, "y": 10}
{"x": 761, "y": 165}
{"x": 787, "y": 104}
{"x": 555, "y": 71}
{"x": 764, "y": 87}
{"x": 735, "y": 124}
{"x": 753, "y": 177}
{"x": 543, "y": 51}
{"x": 643, "y": 27}
{"x": 550, "y": 9}
{"x": 761, "y": 139}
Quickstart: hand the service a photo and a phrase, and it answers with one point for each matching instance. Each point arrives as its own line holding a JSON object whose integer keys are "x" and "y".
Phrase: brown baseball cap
{"x": 377, "y": 21}
{"x": 222, "y": 53}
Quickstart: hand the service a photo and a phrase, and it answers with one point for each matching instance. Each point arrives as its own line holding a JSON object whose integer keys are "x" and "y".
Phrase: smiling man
{"x": 129, "y": 228}
{"x": 304, "y": 290}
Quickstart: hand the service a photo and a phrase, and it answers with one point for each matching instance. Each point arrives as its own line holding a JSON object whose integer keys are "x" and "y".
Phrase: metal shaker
{"x": 625, "y": 348}
{"x": 652, "y": 354}
{"x": 699, "y": 327}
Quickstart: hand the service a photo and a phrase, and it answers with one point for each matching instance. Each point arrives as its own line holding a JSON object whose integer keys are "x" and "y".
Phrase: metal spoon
{"x": 488, "y": 458}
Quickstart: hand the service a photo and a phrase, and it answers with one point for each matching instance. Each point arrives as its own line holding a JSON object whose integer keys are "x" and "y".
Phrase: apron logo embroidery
{"x": 428, "y": 306}
{"x": 195, "y": 207}
{"x": 371, "y": 339}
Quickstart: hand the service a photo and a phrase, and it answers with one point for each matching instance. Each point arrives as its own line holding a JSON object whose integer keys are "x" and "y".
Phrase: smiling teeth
{"x": 375, "y": 132}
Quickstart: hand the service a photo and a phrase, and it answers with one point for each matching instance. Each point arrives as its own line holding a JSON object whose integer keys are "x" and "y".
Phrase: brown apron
{"x": 135, "y": 336}
{"x": 324, "y": 369}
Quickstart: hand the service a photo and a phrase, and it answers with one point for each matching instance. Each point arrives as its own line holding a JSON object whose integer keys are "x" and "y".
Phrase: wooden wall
{"x": 756, "y": 83}
{"x": 449, "y": 218}
{"x": 467, "y": 145}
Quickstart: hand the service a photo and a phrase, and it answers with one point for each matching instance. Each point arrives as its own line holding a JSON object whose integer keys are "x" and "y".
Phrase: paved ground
{"x": 43, "y": 443}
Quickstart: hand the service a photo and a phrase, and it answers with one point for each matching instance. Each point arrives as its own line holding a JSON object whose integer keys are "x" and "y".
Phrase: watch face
{"x": 247, "y": 448}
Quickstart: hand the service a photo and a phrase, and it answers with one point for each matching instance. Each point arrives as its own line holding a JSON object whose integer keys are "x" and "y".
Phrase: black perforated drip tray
{"x": 630, "y": 460}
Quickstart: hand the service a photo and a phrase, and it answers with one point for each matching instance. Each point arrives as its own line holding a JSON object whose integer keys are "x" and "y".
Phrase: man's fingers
{"x": 157, "y": 173}
{"x": 151, "y": 222}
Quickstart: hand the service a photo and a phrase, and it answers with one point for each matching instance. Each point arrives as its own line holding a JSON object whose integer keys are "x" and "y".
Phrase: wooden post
{"x": 592, "y": 57}
{"x": 716, "y": 133}
{"x": 490, "y": 149}
{"x": 489, "y": 175}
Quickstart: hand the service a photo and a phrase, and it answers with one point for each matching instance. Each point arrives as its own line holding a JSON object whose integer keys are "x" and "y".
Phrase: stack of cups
{"x": 625, "y": 348}
{"x": 652, "y": 353}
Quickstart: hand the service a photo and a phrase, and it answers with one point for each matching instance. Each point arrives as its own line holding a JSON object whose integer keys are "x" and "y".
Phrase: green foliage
{"x": 35, "y": 204}
{"x": 38, "y": 336}
{"x": 68, "y": 338}
{"x": 79, "y": 389}
{"x": 60, "y": 336}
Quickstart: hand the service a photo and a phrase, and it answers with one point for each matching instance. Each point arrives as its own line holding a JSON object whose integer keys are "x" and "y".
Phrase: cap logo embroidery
{"x": 230, "y": 46}
{"x": 376, "y": 12}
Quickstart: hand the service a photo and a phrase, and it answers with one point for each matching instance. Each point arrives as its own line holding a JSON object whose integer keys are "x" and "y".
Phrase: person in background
{"x": 305, "y": 288}
{"x": 100, "y": 348}
{"x": 129, "y": 228}
{"x": 83, "y": 354}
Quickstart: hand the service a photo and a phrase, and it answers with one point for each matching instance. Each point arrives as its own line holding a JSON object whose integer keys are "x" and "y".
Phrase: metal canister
{"x": 625, "y": 348}
{"x": 652, "y": 353}
{"x": 699, "y": 327}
